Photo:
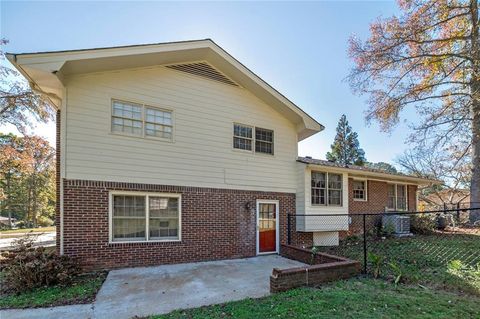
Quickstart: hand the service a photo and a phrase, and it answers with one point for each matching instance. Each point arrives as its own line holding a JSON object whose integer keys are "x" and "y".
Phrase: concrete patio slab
{"x": 157, "y": 290}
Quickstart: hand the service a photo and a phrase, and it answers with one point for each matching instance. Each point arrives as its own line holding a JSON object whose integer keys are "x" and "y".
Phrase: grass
{"x": 450, "y": 262}
{"x": 354, "y": 298}
{"x": 82, "y": 290}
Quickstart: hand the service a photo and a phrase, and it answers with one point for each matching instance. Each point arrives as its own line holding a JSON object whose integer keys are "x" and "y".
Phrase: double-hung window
{"x": 127, "y": 118}
{"x": 245, "y": 139}
{"x": 327, "y": 189}
{"x": 145, "y": 217}
{"x": 242, "y": 137}
{"x": 397, "y": 197}
{"x": 141, "y": 120}
{"x": 263, "y": 141}
{"x": 359, "y": 190}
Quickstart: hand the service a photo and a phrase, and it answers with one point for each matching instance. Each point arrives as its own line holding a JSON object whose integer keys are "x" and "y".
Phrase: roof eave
{"x": 379, "y": 175}
{"x": 52, "y": 65}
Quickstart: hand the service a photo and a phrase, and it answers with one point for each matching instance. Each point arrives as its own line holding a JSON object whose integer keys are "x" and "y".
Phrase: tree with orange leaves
{"x": 427, "y": 57}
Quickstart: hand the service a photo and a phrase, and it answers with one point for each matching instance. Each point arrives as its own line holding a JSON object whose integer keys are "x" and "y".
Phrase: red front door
{"x": 267, "y": 227}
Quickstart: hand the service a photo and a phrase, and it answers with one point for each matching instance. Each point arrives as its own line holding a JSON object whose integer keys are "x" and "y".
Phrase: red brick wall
{"x": 215, "y": 225}
{"x": 412, "y": 198}
{"x": 312, "y": 276}
{"x": 377, "y": 198}
{"x": 305, "y": 255}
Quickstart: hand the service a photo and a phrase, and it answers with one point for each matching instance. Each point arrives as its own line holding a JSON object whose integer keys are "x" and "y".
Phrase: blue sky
{"x": 300, "y": 48}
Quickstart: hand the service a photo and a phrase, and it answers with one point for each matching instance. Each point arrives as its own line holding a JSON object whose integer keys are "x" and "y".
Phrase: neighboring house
{"x": 7, "y": 221}
{"x": 445, "y": 198}
{"x": 176, "y": 152}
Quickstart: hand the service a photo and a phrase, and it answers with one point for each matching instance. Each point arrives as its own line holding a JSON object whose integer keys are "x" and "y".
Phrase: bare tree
{"x": 430, "y": 163}
{"x": 427, "y": 57}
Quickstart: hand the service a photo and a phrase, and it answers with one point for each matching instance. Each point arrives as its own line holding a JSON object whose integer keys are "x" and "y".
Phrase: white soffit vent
{"x": 202, "y": 69}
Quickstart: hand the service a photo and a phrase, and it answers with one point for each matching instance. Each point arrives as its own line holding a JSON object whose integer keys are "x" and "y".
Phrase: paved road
{"x": 41, "y": 239}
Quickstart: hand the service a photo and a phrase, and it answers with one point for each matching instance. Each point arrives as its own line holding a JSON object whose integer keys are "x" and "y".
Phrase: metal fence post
{"x": 289, "y": 229}
{"x": 364, "y": 245}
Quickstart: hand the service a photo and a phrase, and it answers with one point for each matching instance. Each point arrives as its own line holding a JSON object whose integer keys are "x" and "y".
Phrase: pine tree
{"x": 346, "y": 148}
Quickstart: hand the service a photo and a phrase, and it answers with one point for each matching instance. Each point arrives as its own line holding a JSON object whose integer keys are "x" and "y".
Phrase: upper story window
{"x": 263, "y": 140}
{"x": 326, "y": 189}
{"x": 397, "y": 197}
{"x": 127, "y": 118}
{"x": 141, "y": 120}
{"x": 158, "y": 123}
{"x": 243, "y": 139}
{"x": 145, "y": 217}
{"x": 359, "y": 190}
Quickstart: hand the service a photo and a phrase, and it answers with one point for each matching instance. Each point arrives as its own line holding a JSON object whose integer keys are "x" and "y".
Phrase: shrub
{"x": 44, "y": 221}
{"x": 26, "y": 267}
{"x": 423, "y": 224}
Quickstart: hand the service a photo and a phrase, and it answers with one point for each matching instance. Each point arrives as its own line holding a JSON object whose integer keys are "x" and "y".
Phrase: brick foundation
{"x": 325, "y": 268}
{"x": 215, "y": 225}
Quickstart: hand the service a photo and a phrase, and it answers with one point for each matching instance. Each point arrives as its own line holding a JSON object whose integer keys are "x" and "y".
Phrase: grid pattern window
{"x": 129, "y": 218}
{"x": 242, "y": 137}
{"x": 163, "y": 218}
{"x": 391, "y": 200}
{"x": 141, "y": 120}
{"x": 263, "y": 141}
{"x": 401, "y": 197}
{"x": 319, "y": 188}
{"x": 127, "y": 118}
{"x": 145, "y": 218}
{"x": 359, "y": 190}
{"x": 397, "y": 197}
{"x": 327, "y": 189}
{"x": 334, "y": 189}
{"x": 158, "y": 123}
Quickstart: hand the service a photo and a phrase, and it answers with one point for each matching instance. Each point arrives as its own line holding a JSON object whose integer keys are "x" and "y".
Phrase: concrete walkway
{"x": 156, "y": 290}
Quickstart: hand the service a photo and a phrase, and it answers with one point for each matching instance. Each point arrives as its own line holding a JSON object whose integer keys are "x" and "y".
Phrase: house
{"x": 444, "y": 198}
{"x": 177, "y": 152}
{"x": 7, "y": 221}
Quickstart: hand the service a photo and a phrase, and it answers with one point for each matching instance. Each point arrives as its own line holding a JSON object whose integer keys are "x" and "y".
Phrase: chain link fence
{"x": 440, "y": 247}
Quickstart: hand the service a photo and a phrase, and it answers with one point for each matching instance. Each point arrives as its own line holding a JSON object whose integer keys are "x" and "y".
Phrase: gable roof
{"x": 363, "y": 171}
{"x": 46, "y": 71}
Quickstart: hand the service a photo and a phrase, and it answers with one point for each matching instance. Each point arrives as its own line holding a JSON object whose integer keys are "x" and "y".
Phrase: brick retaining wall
{"x": 322, "y": 268}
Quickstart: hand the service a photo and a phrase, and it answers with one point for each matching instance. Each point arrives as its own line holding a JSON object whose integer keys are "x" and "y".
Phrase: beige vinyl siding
{"x": 201, "y": 151}
{"x": 325, "y": 223}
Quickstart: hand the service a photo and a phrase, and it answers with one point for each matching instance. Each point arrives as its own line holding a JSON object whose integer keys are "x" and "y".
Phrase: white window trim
{"x": 253, "y": 139}
{"x": 396, "y": 198}
{"x": 147, "y": 216}
{"x": 365, "y": 181}
{"x": 144, "y": 107}
{"x": 277, "y": 225}
{"x": 272, "y": 143}
{"x": 326, "y": 189}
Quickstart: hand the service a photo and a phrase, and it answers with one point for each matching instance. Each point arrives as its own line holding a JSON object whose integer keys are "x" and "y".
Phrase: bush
{"x": 423, "y": 224}
{"x": 44, "y": 221}
{"x": 26, "y": 267}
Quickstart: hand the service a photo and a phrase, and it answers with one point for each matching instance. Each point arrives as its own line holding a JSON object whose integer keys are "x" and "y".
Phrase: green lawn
{"x": 27, "y": 230}
{"x": 355, "y": 298}
{"x": 82, "y": 290}
{"x": 450, "y": 262}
